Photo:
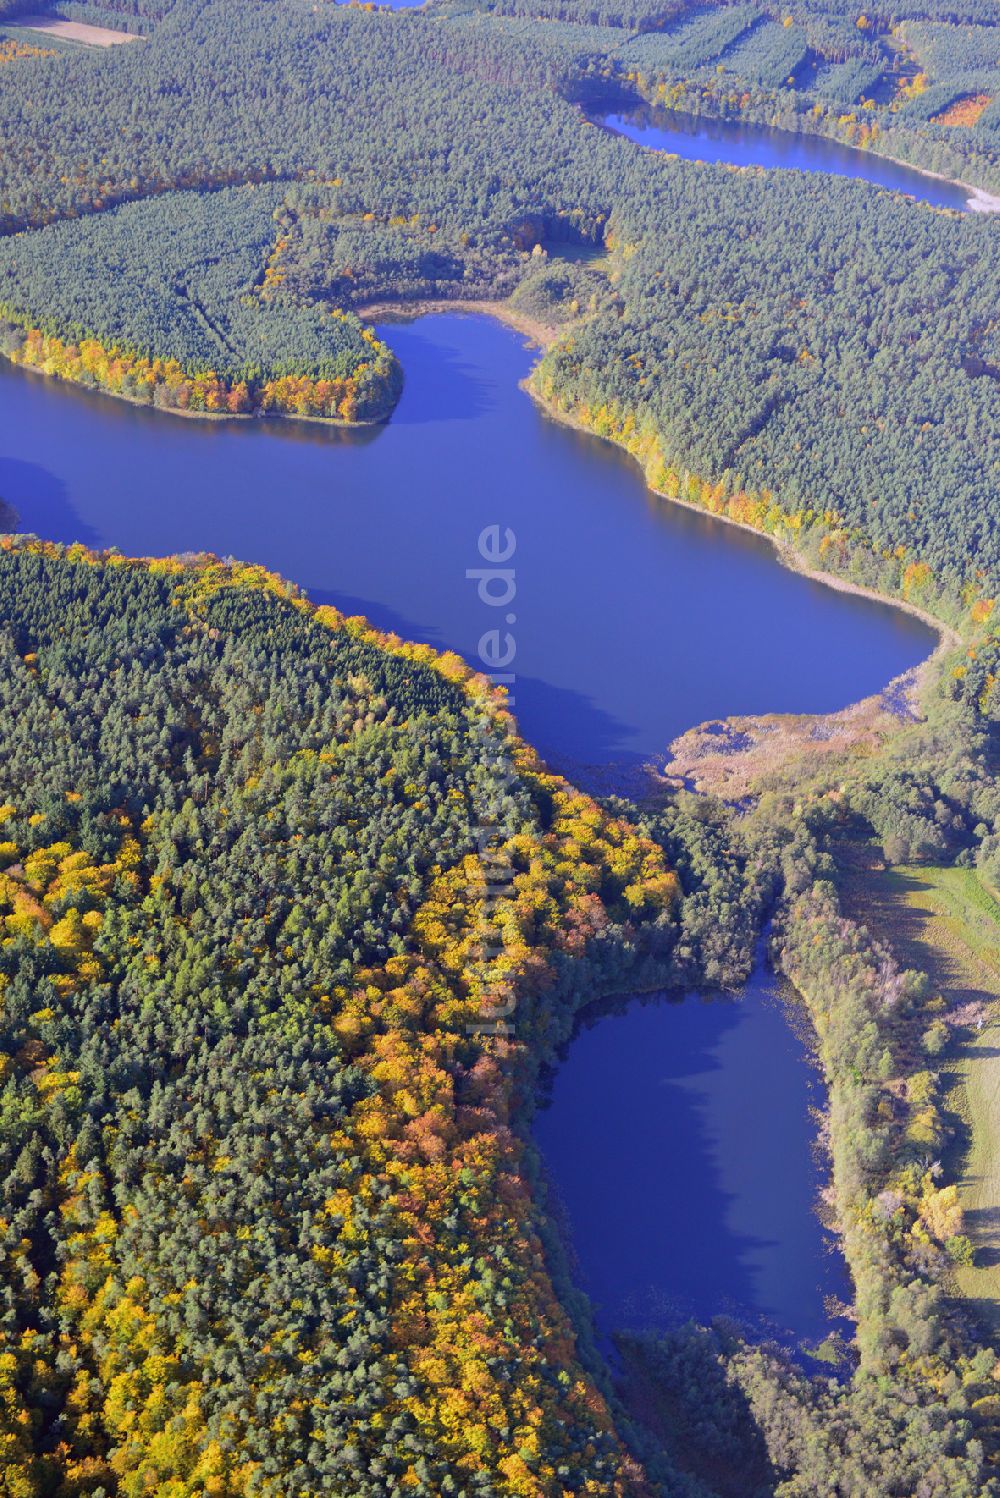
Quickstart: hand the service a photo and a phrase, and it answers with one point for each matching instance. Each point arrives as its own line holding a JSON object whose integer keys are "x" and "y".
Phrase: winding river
{"x": 678, "y": 1135}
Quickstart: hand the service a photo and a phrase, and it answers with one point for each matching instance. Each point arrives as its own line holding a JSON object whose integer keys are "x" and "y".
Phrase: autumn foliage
{"x": 279, "y": 961}
{"x": 164, "y": 383}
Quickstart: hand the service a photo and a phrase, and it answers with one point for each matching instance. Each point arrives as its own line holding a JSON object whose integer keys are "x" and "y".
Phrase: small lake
{"x": 737, "y": 144}
{"x": 633, "y": 619}
{"x": 678, "y": 1143}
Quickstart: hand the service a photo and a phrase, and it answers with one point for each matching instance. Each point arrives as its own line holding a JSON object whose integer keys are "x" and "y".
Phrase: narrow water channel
{"x": 632, "y": 619}
{"x": 738, "y": 144}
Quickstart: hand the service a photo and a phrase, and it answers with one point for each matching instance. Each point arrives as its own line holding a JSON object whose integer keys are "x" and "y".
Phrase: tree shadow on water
{"x": 628, "y": 1151}
{"x": 440, "y": 384}
{"x": 573, "y": 735}
{"x": 41, "y": 503}
{"x": 571, "y": 732}
{"x": 378, "y": 614}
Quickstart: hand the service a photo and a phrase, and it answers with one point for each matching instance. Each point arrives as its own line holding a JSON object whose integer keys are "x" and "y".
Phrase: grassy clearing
{"x": 946, "y": 923}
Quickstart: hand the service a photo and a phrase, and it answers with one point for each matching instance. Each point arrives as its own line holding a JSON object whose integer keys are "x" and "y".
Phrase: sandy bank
{"x": 539, "y": 333}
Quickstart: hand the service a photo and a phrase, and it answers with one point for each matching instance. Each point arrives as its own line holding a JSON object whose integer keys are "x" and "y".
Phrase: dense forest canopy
{"x": 771, "y": 333}
{"x": 255, "y": 1082}
{"x": 271, "y": 884}
{"x": 271, "y": 887}
{"x": 179, "y": 277}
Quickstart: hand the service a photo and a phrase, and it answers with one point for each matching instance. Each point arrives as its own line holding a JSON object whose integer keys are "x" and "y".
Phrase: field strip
{"x": 77, "y": 31}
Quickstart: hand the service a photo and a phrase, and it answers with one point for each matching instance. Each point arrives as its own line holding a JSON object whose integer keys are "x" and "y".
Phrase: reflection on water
{"x": 677, "y": 1142}
{"x": 759, "y": 145}
{"x": 633, "y": 619}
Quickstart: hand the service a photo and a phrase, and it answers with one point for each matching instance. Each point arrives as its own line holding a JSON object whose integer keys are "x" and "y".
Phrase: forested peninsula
{"x": 255, "y": 988}
{"x": 293, "y": 920}
{"x": 156, "y": 302}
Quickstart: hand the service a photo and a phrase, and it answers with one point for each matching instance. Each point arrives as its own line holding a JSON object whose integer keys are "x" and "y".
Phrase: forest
{"x": 268, "y": 1218}
{"x": 249, "y": 1056}
{"x": 794, "y": 361}
{"x": 271, "y": 884}
{"x": 158, "y": 301}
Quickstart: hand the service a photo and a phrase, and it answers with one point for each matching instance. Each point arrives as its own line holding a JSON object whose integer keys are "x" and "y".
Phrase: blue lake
{"x": 633, "y": 618}
{"x": 738, "y": 144}
{"x": 678, "y": 1140}
{"x": 678, "y": 1136}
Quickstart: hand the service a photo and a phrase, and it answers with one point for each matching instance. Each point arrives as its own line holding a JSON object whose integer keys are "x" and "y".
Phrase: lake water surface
{"x": 678, "y": 1140}
{"x": 678, "y": 1135}
{"x": 738, "y": 144}
{"x": 633, "y": 619}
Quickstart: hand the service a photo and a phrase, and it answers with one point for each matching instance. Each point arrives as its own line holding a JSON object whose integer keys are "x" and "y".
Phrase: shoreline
{"x": 978, "y": 199}
{"x": 539, "y": 333}
{"x": 664, "y": 772}
{"x": 542, "y": 335}
{"x": 949, "y": 637}
{"x": 188, "y": 415}
{"x": 546, "y": 336}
